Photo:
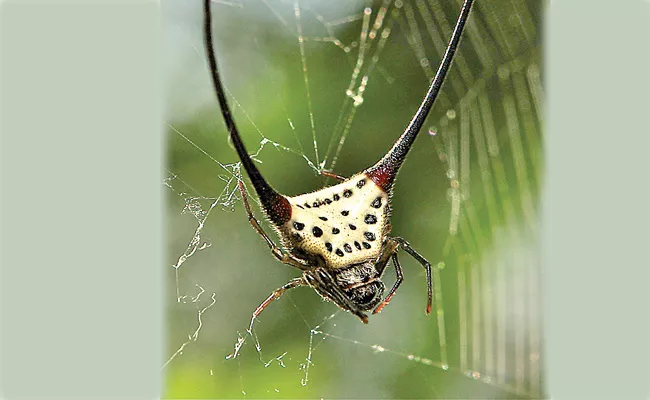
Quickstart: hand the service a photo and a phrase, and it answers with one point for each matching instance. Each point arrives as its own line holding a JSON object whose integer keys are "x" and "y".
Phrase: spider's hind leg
{"x": 332, "y": 175}
{"x": 277, "y": 252}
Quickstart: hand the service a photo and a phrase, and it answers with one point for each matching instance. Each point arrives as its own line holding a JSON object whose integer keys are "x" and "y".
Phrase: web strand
{"x": 485, "y": 274}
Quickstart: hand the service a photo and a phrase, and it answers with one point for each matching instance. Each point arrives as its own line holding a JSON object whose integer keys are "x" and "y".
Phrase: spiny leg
{"x": 277, "y": 252}
{"x": 400, "y": 278}
{"x": 274, "y": 296}
{"x": 426, "y": 264}
{"x": 390, "y": 247}
{"x": 332, "y": 175}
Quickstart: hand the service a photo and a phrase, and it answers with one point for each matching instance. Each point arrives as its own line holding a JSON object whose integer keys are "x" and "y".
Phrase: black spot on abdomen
{"x": 369, "y": 236}
{"x": 318, "y": 232}
{"x": 376, "y": 203}
{"x": 299, "y": 226}
{"x": 370, "y": 219}
{"x": 347, "y": 248}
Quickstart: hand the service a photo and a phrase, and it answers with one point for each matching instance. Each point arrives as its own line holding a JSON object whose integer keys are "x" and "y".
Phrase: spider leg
{"x": 390, "y": 247}
{"x": 400, "y": 278}
{"x": 324, "y": 284}
{"x": 332, "y": 175}
{"x": 426, "y": 264}
{"x": 275, "y": 250}
{"x": 274, "y": 296}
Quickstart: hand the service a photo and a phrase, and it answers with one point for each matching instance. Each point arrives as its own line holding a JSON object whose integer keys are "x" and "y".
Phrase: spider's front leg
{"x": 398, "y": 281}
{"x": 425, "y": 263}
{"x": 274, "y": 296}
{"x": 277, "y": 252}
{"x": 392, "y": 247}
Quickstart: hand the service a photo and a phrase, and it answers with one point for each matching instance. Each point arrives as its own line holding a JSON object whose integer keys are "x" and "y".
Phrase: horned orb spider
{"x": 337, "y": 236}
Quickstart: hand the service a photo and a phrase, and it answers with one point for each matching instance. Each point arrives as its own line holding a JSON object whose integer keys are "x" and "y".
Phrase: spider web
{"x": 319, "y": 86}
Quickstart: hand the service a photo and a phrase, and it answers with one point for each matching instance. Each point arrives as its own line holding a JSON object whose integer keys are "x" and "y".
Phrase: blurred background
{"x": 332, "y": 84}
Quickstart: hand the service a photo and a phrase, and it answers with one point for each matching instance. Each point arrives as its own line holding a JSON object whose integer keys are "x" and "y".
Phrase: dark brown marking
{"x": 299, "y": 226}
{"x": 366, "y": 245}
{"x": 318, "y": 232}
{"x": 336, "y": 197}
{"x": 369, "y": 236}
{"x": 347, "y": 248}
{"x": 339, "y": 253}
{"x": 323, "y": 218}
{"x": 296, "y": 236}
{"x": 328, "y": 245}
{"x": 307, "y": 205}
{"x": 336, "y": 231}
{"x": 345, "y": 213}
{"x": 299, "y": 206}
{"x": 370, "y": 219}
{"x": 315, "y": 205}
{"x": 347, "y": 193}
{"x": 357, "y": 245}
{"x": 354, "y": 228}
{"x": 278, "y": 209}
{"x": 361, "y": 183}
{"x": 376, "y": 203}
{"x": 328, "y": 201}
{"x": 383, "y": 176}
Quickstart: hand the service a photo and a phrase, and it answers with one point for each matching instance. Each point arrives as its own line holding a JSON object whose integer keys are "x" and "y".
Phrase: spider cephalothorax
{"x": 355, "y": 288}
{"x": 338, "y": 235}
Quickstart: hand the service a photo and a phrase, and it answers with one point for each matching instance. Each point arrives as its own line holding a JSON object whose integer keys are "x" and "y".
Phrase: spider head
{"x": 356, "y": 288}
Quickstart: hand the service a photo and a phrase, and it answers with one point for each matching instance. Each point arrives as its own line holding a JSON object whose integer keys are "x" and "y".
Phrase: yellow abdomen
{"x": 345, "y": 223}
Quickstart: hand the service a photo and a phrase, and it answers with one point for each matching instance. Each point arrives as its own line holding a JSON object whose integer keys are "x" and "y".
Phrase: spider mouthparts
{"x": 364, "y": 318}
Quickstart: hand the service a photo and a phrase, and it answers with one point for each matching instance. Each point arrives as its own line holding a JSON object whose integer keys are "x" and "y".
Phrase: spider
{"x": 337, "y": 236}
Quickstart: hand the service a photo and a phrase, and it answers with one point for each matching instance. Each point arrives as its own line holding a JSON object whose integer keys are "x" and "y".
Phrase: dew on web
{"x": 492, "y": 348}
{"x": 277, "y": 360}
{"x": 381, "y": 27}
{"x": 484, "y": 139}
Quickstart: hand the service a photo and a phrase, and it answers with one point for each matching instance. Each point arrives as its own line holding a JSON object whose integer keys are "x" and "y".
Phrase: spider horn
{"x": 384, "y": 171}
{"x": 276, "y": 206}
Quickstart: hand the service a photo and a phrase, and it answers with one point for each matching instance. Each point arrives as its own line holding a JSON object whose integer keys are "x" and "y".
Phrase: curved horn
{"x": 384, "y": 171}
{"x": 276, "y": 206}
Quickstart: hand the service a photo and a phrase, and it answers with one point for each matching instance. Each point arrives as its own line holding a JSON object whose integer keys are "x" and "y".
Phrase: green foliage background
{"x": 491, "y": 186}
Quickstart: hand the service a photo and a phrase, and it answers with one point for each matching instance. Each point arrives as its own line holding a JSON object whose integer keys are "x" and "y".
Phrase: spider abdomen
{"x": 343, "y": 224}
